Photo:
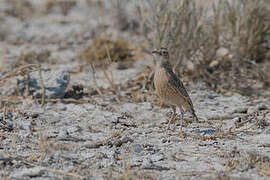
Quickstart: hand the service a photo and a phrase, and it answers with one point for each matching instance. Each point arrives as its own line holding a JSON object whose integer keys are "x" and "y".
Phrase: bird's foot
{"x": 169, "y": 114}
{"x": 195, "y": 118}
{"x": 172, "y": 119}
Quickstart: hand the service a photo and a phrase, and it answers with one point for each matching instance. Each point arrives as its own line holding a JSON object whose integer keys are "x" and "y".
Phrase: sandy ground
{"x": 99, "y": 138}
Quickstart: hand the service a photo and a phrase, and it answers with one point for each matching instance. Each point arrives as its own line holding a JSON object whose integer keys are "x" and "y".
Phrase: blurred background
{"x": 222, "y": 43}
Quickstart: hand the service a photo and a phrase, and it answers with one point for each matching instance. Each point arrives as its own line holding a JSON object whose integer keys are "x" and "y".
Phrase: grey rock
{"x": 204, "y": 132}
{"x": 157, "y": 157}
{"x": 55, "y": 83}
{"x": 126, "y": 139}
{"x": 164, "y": 140}
{"x": 29, "y": 172}
{"x": 237, "y": 120}
{"x": 138, "y": 148}
{"x": 122, "y": 141}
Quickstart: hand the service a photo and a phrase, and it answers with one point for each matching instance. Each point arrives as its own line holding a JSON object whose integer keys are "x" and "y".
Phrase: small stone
{"x": 190, "y": 66}
{"x": 157, "y": 157}
{"x": 29, "y": 172}
{"x": 222, "y": 52}
{"x": 213, "y": 64}
{"x": 126, "y": 139}
{"x": 237, "y": 120}
{"x": 138, "y": 148}
{"x": 204, "y": 131}
{"x": 164, "y": 140}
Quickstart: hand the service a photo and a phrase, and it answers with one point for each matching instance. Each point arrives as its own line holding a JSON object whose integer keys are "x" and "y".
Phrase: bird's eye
{"x": 164, "y": 52}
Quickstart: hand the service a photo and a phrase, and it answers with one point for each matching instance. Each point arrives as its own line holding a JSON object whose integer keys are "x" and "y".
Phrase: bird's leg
{"x": 182, "y": 116}
{"x": 195, "y": 118}
{"x": 173, "y": 116}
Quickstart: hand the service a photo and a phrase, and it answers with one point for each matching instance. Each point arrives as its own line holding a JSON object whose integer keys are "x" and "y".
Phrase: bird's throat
{"x": 166, "y": 64}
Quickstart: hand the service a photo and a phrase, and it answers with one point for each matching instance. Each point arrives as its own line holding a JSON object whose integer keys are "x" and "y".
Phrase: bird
{"x": 169, "y": 87}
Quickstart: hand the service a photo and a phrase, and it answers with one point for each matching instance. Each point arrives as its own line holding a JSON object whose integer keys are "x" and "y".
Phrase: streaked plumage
{"x": 169, "y": 87}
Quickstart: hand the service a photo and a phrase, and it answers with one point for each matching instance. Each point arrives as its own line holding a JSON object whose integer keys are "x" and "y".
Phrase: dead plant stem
{"x": 42, "y": 86}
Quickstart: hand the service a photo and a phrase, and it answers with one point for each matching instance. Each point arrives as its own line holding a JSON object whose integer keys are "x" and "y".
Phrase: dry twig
{"x": 93, "y": 72}
{"x": 19, "y": 71}
{"x": 42, "y": 86}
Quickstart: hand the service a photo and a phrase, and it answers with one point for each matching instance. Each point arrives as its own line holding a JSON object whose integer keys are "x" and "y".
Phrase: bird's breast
{"x": 161, "y": 80}
{"x": 167, "y": 91}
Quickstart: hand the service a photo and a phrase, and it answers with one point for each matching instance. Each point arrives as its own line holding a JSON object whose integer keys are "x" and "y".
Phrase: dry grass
{"x": 103, "y": 48}
{"x": 22, "y": 70}
{"x": 123, "y": 19}
{"x": 63, "y": 6}
{"x": 25, "y": 70}
{"x": 141, "y": 89}
{"x": 180, "y": 25}
{"x": 239, "y": 160}
{"x": 20, "y": 9}
{"x": 33, "y": 58}
{"x": 245, "y": 35}
{"x": 225, "y": 45}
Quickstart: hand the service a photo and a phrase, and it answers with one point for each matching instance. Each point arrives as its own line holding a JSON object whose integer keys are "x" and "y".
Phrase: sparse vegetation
{"x": 102, "y": 50}
{"x": 108, "y": 122}
{"x": 20, "y": 9}
{"x": 63, "y": 6}
{"x": 226, "y": 44}
{"x": 33, "y": 58}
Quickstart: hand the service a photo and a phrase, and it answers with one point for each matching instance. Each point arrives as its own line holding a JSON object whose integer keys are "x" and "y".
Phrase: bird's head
{"x": 161, "y": 55}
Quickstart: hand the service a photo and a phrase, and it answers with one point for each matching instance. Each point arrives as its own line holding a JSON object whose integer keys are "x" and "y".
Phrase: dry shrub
{"x": 74, "y": 91}
{"x": 225, "y": 45}
{"x": 104, "y": 48}
{"x": 247, "y": 28}
{"x": 180, "y": 26}
{"x": 266, "y": 73}
{"x": 246, "y": 160}
{"x": 33, "y": 58}
{"x": 4, "y": 32}
{"x": 141, "y": 88}
{"x": 63, "y": 6}
{"x": 20, "y": 9}
{"x": 246, "y": 38}
{"x": 267, "y": 2}
{"x": 123, "y": 19}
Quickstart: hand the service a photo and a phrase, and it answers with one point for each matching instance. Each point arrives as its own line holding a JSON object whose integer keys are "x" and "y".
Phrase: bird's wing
{"x": 177, "y": 84}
